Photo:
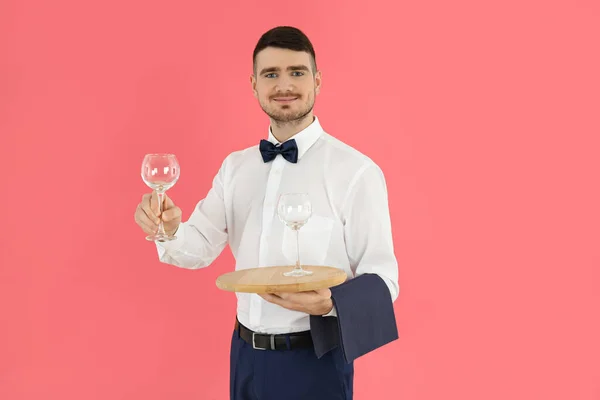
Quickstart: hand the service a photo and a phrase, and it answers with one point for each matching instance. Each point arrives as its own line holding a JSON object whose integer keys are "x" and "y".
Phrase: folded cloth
{"x": 365, "y": 318}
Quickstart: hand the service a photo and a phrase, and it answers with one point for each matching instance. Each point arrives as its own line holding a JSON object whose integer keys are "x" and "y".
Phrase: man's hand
{"x": 147, "y": 215}
{"x": 314, "y": 302}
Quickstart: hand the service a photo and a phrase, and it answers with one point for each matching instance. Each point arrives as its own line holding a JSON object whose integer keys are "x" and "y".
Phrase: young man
{"x": 301, "y": 345}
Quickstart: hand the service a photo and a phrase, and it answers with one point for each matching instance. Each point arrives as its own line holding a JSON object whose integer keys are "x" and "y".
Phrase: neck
{"x": 285, "y": 130}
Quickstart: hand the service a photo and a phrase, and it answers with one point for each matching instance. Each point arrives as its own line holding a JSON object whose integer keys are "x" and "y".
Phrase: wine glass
{"x": 294, "y": 209}
{"x": 160, "y": 172}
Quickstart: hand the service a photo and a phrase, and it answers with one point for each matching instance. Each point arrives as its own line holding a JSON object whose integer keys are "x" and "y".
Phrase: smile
{"x": 284, "y": 99}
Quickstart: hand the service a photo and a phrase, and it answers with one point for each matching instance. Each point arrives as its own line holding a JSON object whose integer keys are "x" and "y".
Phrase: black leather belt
{"x": 262, "y": 341}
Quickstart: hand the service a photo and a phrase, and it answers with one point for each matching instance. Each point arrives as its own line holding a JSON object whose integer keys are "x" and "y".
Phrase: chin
{"x": 285, "y": 113}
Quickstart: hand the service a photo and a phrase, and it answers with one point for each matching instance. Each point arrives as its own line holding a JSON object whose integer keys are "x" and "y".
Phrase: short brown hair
{"x": 285, "y": 37}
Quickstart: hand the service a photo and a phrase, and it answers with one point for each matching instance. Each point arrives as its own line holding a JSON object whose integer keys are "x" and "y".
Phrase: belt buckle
{"x": 254, "y": 342}
{"x": 262, "y": 348}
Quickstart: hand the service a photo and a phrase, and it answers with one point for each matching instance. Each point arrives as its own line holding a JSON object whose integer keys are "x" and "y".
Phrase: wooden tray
{"x": 272, "y": 280}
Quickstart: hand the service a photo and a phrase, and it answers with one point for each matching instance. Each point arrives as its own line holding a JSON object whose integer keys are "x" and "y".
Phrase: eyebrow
{"x": 290, "y": 68}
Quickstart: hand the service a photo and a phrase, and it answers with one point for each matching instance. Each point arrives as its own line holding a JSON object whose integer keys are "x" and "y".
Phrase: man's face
{"x": 284, "y": 83}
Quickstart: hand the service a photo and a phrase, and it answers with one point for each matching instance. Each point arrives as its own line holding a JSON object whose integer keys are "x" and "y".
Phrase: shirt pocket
{"x": 315, "y": 238}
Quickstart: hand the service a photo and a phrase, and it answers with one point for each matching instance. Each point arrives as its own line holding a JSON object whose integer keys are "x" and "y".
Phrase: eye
{"x": 298, "y": 73}
{"x": 271, "y": 75}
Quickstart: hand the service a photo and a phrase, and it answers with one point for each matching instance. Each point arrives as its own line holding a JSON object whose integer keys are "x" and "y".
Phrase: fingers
{"x": 324, "y": 293}
{"x": 147, "y": 208}
{"x": 300, "y": 298}
{"x": 171, "y": 214}
{"x": 311, "y": 302}
{"x": 308, "y": 297}
{"x": 147, "y": 214}
{"x": 154, "y": 203}
{"x": 145, "y": 222}
{"x": 144, "y": 215}
{"x": 168, "y": 203}
{"x": 271, "y": 298}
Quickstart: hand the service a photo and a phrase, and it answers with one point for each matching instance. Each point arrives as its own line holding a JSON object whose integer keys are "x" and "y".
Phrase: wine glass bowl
{"x": 160, "y": 172}
{"x": 294, "y": 210}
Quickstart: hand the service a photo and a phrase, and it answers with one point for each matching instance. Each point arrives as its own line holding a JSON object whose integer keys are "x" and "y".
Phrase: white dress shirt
{"x": 349, "y": 229}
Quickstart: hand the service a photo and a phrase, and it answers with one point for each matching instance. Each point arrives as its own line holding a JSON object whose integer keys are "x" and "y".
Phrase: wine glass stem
{"x": 298, "y": 267}
{"x": 161, "y": 197}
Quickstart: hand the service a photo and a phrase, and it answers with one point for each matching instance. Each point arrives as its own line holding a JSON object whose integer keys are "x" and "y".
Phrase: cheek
{"x": 261, "y": 95}
{"x": 308, "y": 89}
{"x": 263, "y": 92}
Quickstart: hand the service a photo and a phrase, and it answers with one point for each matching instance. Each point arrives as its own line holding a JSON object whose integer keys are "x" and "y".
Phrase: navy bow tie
{"x": 289, "y": 150}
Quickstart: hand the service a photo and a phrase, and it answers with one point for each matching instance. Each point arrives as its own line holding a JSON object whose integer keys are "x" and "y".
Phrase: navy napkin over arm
{"x": 364, "y": 304}
{"x": 365, "y": 318}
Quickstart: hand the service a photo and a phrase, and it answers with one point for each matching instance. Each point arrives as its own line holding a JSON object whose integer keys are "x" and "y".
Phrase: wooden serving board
{"x": 272, "y": 280}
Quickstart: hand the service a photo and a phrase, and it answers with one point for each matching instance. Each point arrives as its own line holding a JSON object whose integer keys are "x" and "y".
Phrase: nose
{"x": 284, "y": 84}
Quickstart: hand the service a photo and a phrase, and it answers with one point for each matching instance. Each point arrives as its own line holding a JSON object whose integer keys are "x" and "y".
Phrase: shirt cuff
{"x": 174, "y": 244}
{"x": 332, "y": 313}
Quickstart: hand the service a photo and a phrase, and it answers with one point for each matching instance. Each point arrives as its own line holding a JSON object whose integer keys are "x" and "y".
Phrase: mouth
{"x": 285, "y": 99}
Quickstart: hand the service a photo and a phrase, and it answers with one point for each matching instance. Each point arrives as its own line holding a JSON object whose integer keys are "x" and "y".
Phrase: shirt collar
{"x": 305, "y": 138}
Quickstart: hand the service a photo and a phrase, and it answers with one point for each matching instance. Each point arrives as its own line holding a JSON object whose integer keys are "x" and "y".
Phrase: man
{"x": 301, "y": 345}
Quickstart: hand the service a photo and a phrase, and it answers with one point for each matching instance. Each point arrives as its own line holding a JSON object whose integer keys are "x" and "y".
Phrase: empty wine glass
{"x": 160, "y": 172}
{"x": 294, "y": 209}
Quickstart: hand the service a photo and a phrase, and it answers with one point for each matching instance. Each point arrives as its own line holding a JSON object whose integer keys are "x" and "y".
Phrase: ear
{"x": 318, "y": 82}
{"x": 253, "y": 84}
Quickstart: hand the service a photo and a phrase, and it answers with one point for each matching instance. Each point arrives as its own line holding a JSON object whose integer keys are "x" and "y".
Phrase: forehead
{"x": 281, "y": 58}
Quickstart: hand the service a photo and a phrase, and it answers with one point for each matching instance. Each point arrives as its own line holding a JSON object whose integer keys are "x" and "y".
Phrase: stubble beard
{"x": 281, "y": 118}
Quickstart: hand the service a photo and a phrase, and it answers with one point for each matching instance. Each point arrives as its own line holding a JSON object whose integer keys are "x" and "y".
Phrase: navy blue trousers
{"x": 295, "y": 374}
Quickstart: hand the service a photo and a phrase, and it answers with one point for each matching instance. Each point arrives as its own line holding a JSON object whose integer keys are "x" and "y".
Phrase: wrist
{"x": 327, "y": 308}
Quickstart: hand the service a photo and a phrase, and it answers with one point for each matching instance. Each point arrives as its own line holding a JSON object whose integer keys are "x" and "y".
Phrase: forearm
{"x": 200, "y": 240}
{"x": 190, "y": 250}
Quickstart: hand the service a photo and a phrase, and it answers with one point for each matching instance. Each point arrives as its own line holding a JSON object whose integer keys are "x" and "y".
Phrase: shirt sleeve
{"x": 368, "y": 229}
{"x": 364, "y": 304}
{"x": 202, "y": 238}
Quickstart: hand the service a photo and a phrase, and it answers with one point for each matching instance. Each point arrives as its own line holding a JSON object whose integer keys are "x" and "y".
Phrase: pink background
{"x": 483, "y": 115}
